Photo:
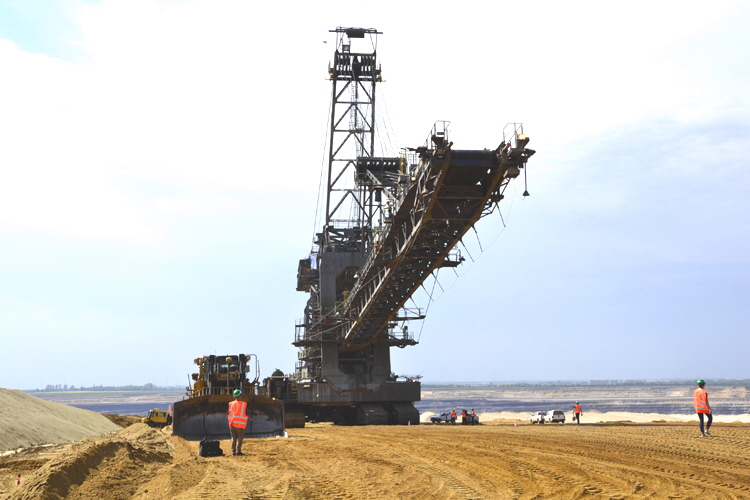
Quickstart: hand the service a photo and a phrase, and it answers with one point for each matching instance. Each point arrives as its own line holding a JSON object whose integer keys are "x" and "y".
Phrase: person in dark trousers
{"x": 577, "y": 412}
{"x": 702, "y": 408}
{"x": 453, "y": 417}
{"x": 237, "y": 416}
{"x": 464, "y": 414}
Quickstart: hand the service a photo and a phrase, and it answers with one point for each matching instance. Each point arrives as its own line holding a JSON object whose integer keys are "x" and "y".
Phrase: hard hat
{"x": 701, "y": 381}
{"x": 576, "y": 402}
{"x": 237, "y": 393}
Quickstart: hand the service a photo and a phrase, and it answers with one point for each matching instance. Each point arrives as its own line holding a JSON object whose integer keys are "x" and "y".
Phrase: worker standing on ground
{"x": 702, "y": 408}
{"x": 453, "y": 417}
{"x": 237, "y": 416}
{"x": 464, "y": 414}
{"x": 577, "y": 412}
{"x": 473, "y": 417}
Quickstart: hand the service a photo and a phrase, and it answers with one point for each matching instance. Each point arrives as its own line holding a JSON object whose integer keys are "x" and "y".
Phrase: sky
{"x": 160, "y": 164}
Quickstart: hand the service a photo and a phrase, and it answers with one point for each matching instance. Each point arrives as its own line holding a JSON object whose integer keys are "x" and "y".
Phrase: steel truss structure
{"x": 390, "y": 223}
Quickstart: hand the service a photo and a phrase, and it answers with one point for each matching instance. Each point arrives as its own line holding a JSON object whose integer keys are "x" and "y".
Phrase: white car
{"x": 555, "y": 416}
{"x": 538, "y": 417}
{"x": 441, "y": 417}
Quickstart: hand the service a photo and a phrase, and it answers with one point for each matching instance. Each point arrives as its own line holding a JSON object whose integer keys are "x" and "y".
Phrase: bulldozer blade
{"x": 206, "y": 417}
{"x": 294, "y": 416}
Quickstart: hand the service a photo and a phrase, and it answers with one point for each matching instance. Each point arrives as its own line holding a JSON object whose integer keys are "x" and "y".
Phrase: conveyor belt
{"x": 450, "y": 195}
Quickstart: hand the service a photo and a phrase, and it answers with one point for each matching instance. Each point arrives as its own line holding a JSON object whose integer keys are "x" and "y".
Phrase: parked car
{"x": 441, "y": 417}
{"x": 538, "y": 417}
{"x": 555, "y": 416}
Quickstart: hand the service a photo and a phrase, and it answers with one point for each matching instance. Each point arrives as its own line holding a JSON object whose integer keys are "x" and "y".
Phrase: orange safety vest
{"x": 237, "y": 414}
{"x": 577, "y": 409}
{"x": 453, "y": 414}
{"x": 700, "y": 401}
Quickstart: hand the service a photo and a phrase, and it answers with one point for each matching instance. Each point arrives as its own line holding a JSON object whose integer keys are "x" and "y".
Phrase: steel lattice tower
{"x": 350, "y": 204}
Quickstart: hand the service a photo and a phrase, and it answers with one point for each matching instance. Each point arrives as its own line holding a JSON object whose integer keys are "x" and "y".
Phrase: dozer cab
{"x": 203, "y": 414}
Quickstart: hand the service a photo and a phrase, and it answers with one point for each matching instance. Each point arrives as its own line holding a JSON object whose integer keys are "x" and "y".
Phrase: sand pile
{"x": 111, "y": 466}
{"x": 26, "y": 421}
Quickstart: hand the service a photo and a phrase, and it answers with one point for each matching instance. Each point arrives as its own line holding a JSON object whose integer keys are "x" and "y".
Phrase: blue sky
{"x": 43, "y": 26}
{"x": 159, "y": 168}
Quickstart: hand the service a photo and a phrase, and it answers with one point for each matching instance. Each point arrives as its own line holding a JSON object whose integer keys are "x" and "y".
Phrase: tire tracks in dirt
{"x": 665, "y": 456}
{"x": 489, "y": 461}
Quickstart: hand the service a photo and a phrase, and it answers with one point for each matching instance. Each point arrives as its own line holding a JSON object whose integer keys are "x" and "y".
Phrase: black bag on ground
{"x": 210, "y": 448}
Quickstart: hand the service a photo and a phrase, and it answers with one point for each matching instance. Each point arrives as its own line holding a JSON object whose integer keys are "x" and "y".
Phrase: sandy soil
{"x": 495, "y": 460}
{"x": 122, "y": 420}
{"x": 26, "y": 421}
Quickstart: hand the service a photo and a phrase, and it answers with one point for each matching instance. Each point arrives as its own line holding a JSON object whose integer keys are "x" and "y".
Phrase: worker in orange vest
{"x": 453, "y": 417}
{"x": 577, "y": 412}
{"x": 237, "y": 416}
{"x": 700, "y": 402}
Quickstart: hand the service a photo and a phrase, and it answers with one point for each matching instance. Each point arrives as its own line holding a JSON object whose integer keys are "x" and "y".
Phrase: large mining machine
{"x": 390, "y": 223}
{"x": 203, "y": 413}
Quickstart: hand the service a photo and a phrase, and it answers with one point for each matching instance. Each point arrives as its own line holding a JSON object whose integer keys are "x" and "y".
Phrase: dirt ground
{"x": 495, "y": 460}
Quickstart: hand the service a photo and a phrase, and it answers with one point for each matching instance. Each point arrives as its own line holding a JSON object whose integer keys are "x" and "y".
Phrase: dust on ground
{"x": 495, "y": 460}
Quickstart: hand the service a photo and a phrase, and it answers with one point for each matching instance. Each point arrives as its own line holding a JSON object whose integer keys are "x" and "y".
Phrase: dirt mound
{"x": 122, "y": 420}
{"x": 110, "y": 466}
{"x": 27, "y": 421}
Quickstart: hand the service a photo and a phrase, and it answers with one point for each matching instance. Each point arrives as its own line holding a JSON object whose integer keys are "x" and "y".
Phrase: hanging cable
{"x": 427, "y": 309}
{"x": 467, "y": 250}
{"x": 382, "y": 105}
{"x": 481, "y": 250}
{"x": 322, "y": 171}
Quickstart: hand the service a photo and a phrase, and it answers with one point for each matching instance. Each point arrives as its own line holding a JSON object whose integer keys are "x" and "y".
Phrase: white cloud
{"x": 176, "y": 95}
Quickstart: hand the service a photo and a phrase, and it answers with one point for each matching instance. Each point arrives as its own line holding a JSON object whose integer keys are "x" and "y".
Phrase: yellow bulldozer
{"x": 203, "y": 412}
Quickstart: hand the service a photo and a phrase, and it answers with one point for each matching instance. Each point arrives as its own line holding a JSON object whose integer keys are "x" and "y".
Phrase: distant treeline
{"x": 125, "y": 388}
{"x": 438, "y": 385}
{"x": 586, "y": 383}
